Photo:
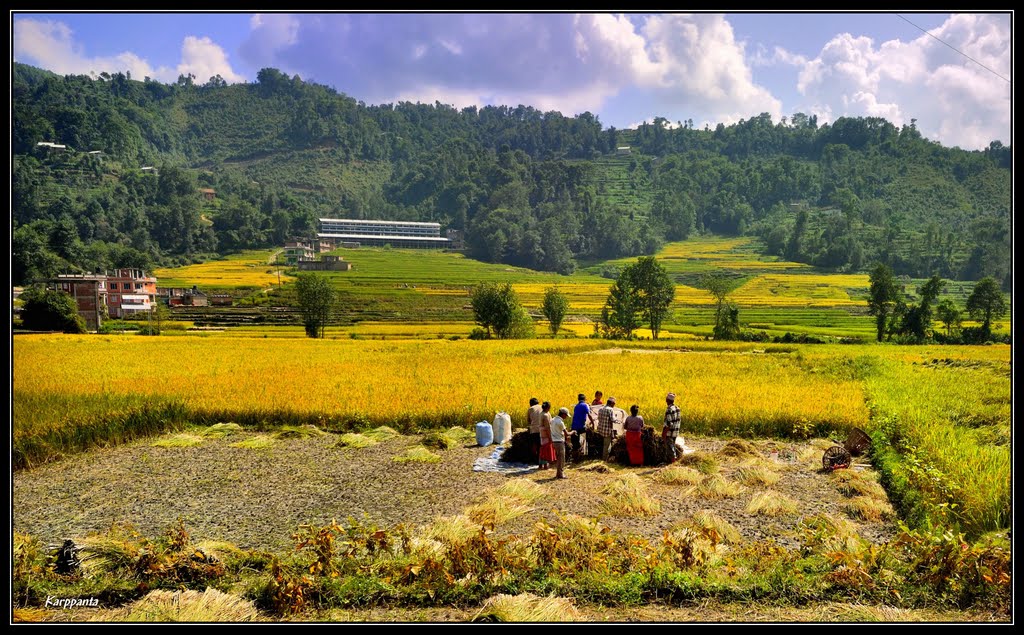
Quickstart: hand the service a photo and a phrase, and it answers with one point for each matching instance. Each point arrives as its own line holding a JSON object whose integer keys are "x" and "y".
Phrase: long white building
{"x": 383, "y": 232}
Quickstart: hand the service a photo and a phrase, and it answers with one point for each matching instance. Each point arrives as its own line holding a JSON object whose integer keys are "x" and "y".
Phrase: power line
{"x": 955, "y": 49}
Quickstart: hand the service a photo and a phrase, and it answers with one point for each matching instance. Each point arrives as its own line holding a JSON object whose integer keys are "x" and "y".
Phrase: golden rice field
{"x": 737, "y": 253}
{"x": 419, "y": 380}
{"x": 803, "y": 290}
{"x": 945, "y": 410}
{"x": 248, "y": 269}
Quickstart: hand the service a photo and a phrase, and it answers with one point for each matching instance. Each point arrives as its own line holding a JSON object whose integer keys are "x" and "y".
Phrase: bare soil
{"x": 257, "y": 498}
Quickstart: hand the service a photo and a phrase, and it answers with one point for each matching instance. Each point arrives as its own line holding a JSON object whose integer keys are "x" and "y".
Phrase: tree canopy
{"x": 527, "y": 187}
{"x": 554, "y": 307}
{"x": 316, "y": 299}
{"x": 497, "y": 309}
{"x": 50, "y": 310}
{"x": 653, "y": 289}
{"x": 987, "y": 303}
{"x": 884, "y": 294}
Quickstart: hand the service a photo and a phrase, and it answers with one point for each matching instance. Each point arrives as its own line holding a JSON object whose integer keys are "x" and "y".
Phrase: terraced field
{"x": 431, "y": 289}
{"x": 245, "y": 270}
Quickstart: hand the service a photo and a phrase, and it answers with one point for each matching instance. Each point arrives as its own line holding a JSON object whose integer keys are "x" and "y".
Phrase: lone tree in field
{"x": 554, "y": 308}
{"x": 50, "y": 310}
{"x": 316, "y": 302}
{"x": 917, "y": 320}
{"x": 641, "y": 294}
{"x": 950, "y": 315}
{"x": 619, "y": 316}
{"x": 653, "y": 290}
{"x": 496, "y": 307}
{"x": 727, "y": 314}
{"x": 986, "y": 303}
{"x": 884, "y": 295}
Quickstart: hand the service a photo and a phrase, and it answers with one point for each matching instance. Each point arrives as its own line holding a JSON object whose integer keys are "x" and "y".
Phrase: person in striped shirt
{"x": 670, "y": 431}
{"x": 606, "y": 427}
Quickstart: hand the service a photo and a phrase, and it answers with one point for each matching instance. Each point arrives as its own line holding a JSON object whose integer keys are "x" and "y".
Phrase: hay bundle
{"x": 183, "y": 606}
{"x": 304, "y": 431}
{"x": 740, "y": 449}
{"x": 656, "y": 451}
{"x": 451, "y": 438}
{"x": 527, "y": 607}
{"x": 520, "y": 449}
{"x": 221, "y": 430}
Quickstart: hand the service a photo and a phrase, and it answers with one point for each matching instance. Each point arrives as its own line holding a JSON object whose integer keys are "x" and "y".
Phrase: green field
{"x": 422, "y": 287}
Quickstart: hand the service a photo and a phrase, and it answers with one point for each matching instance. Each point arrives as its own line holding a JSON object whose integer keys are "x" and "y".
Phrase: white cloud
{"x": 270, "y": 33}
{"x": 277, "y": 30}
{"x": 686, "y": 66}
{"x": 204, "y": 59}
{"x": 51, "y": 45}
{"x": 690, "y": 61}
{"x": 954, "y": 100}
{"x": 451, "y": 45}
{"x": 778, "y": 56}
{"x": 611, "y": 42}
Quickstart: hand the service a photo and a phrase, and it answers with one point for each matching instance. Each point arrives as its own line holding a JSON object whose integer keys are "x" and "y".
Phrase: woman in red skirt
{"x": 547, "y": 449}
{"x": 634, "y": 431}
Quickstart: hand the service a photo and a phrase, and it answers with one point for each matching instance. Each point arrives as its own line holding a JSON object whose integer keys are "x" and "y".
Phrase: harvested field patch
{"x": 225, "y": 491}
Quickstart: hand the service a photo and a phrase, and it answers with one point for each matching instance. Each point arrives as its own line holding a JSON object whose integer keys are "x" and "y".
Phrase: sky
{"x": 949, "y": 72}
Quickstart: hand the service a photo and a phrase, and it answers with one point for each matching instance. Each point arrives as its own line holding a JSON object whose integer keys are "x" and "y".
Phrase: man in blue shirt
{"x": 580, "y": 417}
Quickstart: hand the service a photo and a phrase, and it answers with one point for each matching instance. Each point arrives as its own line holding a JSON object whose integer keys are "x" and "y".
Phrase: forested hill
{"x": 528, "y": 187}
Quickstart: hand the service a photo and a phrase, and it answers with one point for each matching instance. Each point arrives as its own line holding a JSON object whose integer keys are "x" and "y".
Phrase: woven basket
{"x": 858, "y": 442}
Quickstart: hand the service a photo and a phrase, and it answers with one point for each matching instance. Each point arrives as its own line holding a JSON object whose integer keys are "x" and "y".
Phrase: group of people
{"x": 550, "y": 434}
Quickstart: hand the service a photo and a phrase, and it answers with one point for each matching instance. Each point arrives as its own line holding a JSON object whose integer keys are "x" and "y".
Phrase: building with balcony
{"x": 383, "y": 232}
{"x": 130, "y": 293}
{"x": 295, "y": 251}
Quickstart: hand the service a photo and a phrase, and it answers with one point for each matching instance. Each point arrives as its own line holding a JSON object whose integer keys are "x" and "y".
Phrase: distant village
{"x": 131, "y": 293}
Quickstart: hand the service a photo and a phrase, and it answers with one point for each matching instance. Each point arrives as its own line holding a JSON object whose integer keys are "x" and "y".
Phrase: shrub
{"x": 50, "y": 310}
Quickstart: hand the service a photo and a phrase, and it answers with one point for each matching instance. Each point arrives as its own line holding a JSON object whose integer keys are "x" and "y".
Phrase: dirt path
{"x": 257, "y": 498}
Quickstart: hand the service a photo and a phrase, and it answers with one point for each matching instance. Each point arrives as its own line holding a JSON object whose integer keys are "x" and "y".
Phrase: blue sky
{"x": 624, "y": 68}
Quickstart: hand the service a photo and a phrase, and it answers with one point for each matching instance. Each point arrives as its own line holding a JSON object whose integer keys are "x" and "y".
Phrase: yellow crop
{"x": 246, "y": 269}
{"x": 58, "y": 376}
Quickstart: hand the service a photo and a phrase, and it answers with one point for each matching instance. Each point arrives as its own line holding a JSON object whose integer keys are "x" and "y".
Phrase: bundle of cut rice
{"x": 520, "y": 449}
